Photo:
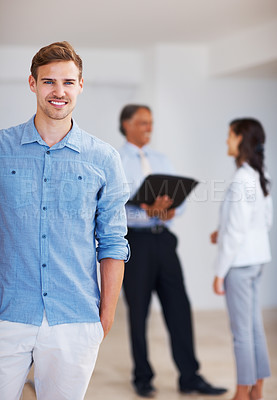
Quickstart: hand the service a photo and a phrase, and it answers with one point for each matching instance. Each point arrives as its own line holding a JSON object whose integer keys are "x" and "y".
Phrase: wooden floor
{"x": 111, "y": 378}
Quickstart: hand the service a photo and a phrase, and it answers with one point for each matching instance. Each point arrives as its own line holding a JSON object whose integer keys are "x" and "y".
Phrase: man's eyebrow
{"x": 53, "y": 79}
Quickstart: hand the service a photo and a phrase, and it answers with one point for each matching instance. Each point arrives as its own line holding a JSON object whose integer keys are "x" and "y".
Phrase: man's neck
{"x": 52, "y": 131}
{"x": 138, "y": 145}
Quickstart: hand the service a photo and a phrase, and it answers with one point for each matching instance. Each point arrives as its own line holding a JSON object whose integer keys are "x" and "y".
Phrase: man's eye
{"x": 69, "y": 83}
{"x": 48, "y": 82}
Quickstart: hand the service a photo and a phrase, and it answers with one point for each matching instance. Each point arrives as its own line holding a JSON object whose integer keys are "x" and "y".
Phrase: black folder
{"x": 154, "y": 185}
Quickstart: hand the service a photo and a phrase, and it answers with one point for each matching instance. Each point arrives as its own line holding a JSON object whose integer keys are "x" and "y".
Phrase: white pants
{"x": 64, "y": 357}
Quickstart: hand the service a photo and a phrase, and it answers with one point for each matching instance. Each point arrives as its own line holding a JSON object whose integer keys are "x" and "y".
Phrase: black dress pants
{"x": 154, "y": 266}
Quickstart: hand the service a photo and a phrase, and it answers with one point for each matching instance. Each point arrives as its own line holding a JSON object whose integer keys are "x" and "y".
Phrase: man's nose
{"x": 58, "y": 90}
{"x": 149, "y": 127}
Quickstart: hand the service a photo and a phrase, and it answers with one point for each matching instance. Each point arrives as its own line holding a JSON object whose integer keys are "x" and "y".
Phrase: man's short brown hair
{"x": 55, "y": 52}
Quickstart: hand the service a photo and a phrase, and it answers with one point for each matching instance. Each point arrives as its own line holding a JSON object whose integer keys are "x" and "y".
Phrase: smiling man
{"x": 154, "y": 266}
{"x": 61, "y": 208}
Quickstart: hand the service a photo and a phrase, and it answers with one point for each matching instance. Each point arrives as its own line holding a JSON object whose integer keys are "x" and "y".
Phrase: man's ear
{"x": 32, "y": 83}
{"x": 125, "y": 125}
{"x": 81, "y": 85}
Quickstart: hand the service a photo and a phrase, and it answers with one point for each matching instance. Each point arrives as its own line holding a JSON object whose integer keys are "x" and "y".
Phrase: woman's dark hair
{"x": 127, "y": 113}
{"x": 251, "y": 148}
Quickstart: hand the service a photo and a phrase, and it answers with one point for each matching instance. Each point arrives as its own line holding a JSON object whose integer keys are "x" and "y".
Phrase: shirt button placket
{"x": 44, "y": 221}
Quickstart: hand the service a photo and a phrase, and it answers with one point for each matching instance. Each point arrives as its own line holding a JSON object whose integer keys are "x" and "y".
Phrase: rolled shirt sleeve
{"x": 110, "y": 219}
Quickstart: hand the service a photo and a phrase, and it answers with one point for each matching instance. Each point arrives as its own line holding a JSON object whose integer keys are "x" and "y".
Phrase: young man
{"x": 154, "y": 265}
{"x": 62, "y": 203}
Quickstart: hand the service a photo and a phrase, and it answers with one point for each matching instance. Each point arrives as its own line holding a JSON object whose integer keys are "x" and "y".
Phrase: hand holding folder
{"x": 154, "y": 185}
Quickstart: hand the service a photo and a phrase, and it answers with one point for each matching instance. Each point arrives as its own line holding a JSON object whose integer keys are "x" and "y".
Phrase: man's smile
{"x": 58, "y": 103}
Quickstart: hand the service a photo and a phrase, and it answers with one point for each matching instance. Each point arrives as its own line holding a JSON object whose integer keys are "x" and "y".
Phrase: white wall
{"x": 191, "y": 112}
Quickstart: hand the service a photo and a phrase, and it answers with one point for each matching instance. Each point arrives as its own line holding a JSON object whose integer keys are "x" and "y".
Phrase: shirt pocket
{"x": 17, "y": 187}
{"x": 78, "y": 193}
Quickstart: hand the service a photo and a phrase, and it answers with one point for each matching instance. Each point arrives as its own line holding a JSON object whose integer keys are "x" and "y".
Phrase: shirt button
{"x": 48, "y": 152}
{"x": 13, "y": 172}
{"x": 44, "y": 208}
{"x": 44, "y": 294}
{"x": 43, "y": 265}
{"x": 45, "y": 179}
{"x": 43, "y": 236}
{"x": 80, "y": 178}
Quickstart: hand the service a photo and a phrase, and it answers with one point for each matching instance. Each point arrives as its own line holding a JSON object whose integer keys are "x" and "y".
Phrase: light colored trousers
{"x": 242, "y": 286}
{"x": 64, "y": 357}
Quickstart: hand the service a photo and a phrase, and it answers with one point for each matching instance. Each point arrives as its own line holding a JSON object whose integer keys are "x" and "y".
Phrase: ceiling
{"x": 128, "y": 23}
{"x": 267, "y": 70}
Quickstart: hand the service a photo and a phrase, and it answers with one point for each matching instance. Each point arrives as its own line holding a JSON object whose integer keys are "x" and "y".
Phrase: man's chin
{"x": 59, "y": 116}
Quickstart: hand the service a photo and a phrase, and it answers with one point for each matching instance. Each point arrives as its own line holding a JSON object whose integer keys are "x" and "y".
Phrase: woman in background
{"x": 243, "y": 249}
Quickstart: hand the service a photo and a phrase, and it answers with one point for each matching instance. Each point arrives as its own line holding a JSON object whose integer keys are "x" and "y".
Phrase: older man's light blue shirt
{"x": 131, "y": 162}
{"x": 59, "y": 207}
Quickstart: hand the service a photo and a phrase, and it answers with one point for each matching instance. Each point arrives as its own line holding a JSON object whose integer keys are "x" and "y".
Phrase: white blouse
{"x": 245, "y": 219}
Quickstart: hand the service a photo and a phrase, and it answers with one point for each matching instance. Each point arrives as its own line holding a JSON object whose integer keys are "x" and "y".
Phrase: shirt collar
{"x": 136, "y": 150}
{"x": 72, "y": 140}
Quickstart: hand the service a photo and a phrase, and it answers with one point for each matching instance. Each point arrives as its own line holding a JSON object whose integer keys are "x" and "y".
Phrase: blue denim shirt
{"x": 59, "y": 207}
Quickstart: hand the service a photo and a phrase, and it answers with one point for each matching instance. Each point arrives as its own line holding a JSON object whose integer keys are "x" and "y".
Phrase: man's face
{"x": 56, "y": 88}
{"x": 138, "y": 128}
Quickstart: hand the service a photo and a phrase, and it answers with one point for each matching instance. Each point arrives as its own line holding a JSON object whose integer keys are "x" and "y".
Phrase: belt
{"x": 155, "y": 229}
